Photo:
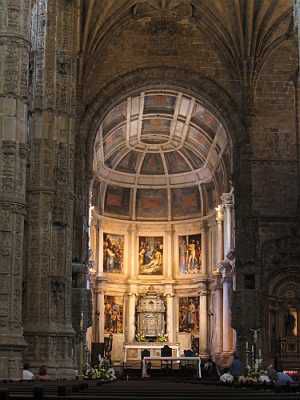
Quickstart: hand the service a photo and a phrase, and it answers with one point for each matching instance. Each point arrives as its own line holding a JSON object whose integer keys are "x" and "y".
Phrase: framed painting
{"x": 113, "y": 253}
{"x": 151, "y": 255}
{"x": 113, "y": 314}
{"x": 189, "y": 315}
{"x": 189, "y": 249}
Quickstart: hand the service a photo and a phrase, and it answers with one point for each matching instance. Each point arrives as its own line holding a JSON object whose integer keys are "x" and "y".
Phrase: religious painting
{"x": 189, "y": 314}
{"x": 117, "y": 200}
{"x": 185, "y": 201}
{"x": 152, "y": 204}
{"x": 151, "y": 255}
{"x": 113, "y": 252}
{"x": 189, "y": 254}
{"x": 113, "y": 314}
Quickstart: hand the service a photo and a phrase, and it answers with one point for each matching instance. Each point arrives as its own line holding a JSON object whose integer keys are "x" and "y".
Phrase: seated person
{"x": 188, "y": 353}
{"x": 43, "y": 374}
{"x": 166, "y": 351}
{"x": 27, "y": 374}
{"x": 236, "y": 368}
{"x": 283, "y": 378}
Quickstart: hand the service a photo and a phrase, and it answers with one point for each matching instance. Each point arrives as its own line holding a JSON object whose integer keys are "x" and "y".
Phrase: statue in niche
{"x": 290, "y": 323}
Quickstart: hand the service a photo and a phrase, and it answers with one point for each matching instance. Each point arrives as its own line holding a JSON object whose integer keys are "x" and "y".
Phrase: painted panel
{"x": 189, "y": 315}
{"x": 176, "y": 163}
{"x": 117, "y": 200}
{"x": 151, "y": 255}
{"x": 189, "y": 254}
{"x": 129, "y": 163}
{"x": 152, "y": 203}
{"x": 185, "y": 201}
{"x": 152, "y": 165}
{"x": 113, "y": 253}
{"x": 113, "y": 314}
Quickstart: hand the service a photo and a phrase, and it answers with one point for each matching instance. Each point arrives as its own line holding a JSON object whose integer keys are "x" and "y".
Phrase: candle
{"x": 259, "y": 353}
{"x": 246, "y": 346}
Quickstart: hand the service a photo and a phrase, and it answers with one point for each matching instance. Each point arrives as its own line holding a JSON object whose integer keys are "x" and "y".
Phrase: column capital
{"x": 227, "y": 199}
{"x": 219, "y": 214}
{"x": 203, "y": 292}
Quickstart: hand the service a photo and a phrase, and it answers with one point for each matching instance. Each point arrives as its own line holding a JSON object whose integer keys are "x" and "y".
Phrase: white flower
{"x": 264, "y": 379}
{"x": 226, "y": 378}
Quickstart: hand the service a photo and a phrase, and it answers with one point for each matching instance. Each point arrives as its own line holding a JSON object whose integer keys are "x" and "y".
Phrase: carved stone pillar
{"x": 227, "y": 202}
{"x": 203, "y": 322}
{"x": 220, "y": 238}
{"x": 131, "y": 316}
{"x": 170, "y": 317}
{"x": 204, "y": 248}
{"x": 14, "y": 61}
{"x": 50, "y": 192}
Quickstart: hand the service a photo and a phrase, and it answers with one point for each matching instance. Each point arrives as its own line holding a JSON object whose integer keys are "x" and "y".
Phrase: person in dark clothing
{"x": 236, "y": 368}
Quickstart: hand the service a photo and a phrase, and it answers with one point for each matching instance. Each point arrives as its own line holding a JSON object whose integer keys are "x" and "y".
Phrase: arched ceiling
{"x": 243, "y": 31}
{"x": 159, "y": 147}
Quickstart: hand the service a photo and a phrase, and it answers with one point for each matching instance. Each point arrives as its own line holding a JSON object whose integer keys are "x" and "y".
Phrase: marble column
{"x": 169, "y": 251}
{"x": 14, "y": 96}
{"x": 170, "y": 317}
{"x": 204, "y": 248}
{"x": 101, "y": 316}
{"x": 100, "y": 250}
{"x": 227, "y": 330}
{"x": 203, "y": 323}
{"x": 219, "y": 315}
{"x": 131, "y": 316}
{"x": 132, "y": 264}
{"x": 227, "y": 202}
{"x": 220, "y": 238}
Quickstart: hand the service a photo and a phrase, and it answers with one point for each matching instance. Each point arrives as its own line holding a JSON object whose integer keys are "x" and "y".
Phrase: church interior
{"x": 149, "y": 181}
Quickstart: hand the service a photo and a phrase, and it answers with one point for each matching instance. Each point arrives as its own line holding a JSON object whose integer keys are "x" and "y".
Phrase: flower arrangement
{"x": 162, "y": 338}
{"x": 102, "y": 372}
{"x": 255, "y": 376}
{"x": 140, "y": 337}
{"x": 226, "y": 378}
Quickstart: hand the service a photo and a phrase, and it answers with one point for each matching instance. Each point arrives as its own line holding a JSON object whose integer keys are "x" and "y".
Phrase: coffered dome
{"x": 163, "y": 145}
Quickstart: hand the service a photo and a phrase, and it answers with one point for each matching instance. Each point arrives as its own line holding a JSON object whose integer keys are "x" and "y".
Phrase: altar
{"x": 133, "y": 351}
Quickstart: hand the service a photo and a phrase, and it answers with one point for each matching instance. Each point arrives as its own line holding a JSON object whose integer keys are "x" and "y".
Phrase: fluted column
{"x": 227, "y": 202}
{"x": 14, "y": 62}
{"x": 170, "y": 317}
{"x": 203, "y": 323}
{"x": 131, "y": 316}
{"x": 219, "y": 316}
{"x": 204, "y": 248}
{"x": 220, "y": 238}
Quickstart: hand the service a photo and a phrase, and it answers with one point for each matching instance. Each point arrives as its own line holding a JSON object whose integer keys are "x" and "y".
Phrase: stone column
{"x": 131, "y": 316}
{"x": 204, "y": 248}
{"x": 220, "y": 238}
{"x": 219, "y": 316}
{"x": 170, "y": 317}
{"x": 14, "y": 61}
{"x": 101, "y": 316}
{"x": 168, "y": 256}
{"x": 48, "y": 313}
{"x": 227, "y": 202}
{"x": 203, "y": 323}
{"x": 132, "y": 262}
{"x": 227, "y": 331}
{"x": 100, "y": 250}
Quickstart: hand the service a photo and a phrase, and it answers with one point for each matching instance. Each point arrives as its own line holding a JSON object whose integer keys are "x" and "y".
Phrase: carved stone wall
{"x": 14, "y": 55}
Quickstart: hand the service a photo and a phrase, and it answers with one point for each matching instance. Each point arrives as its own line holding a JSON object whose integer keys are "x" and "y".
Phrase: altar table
{"x": 172, "y": 359}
